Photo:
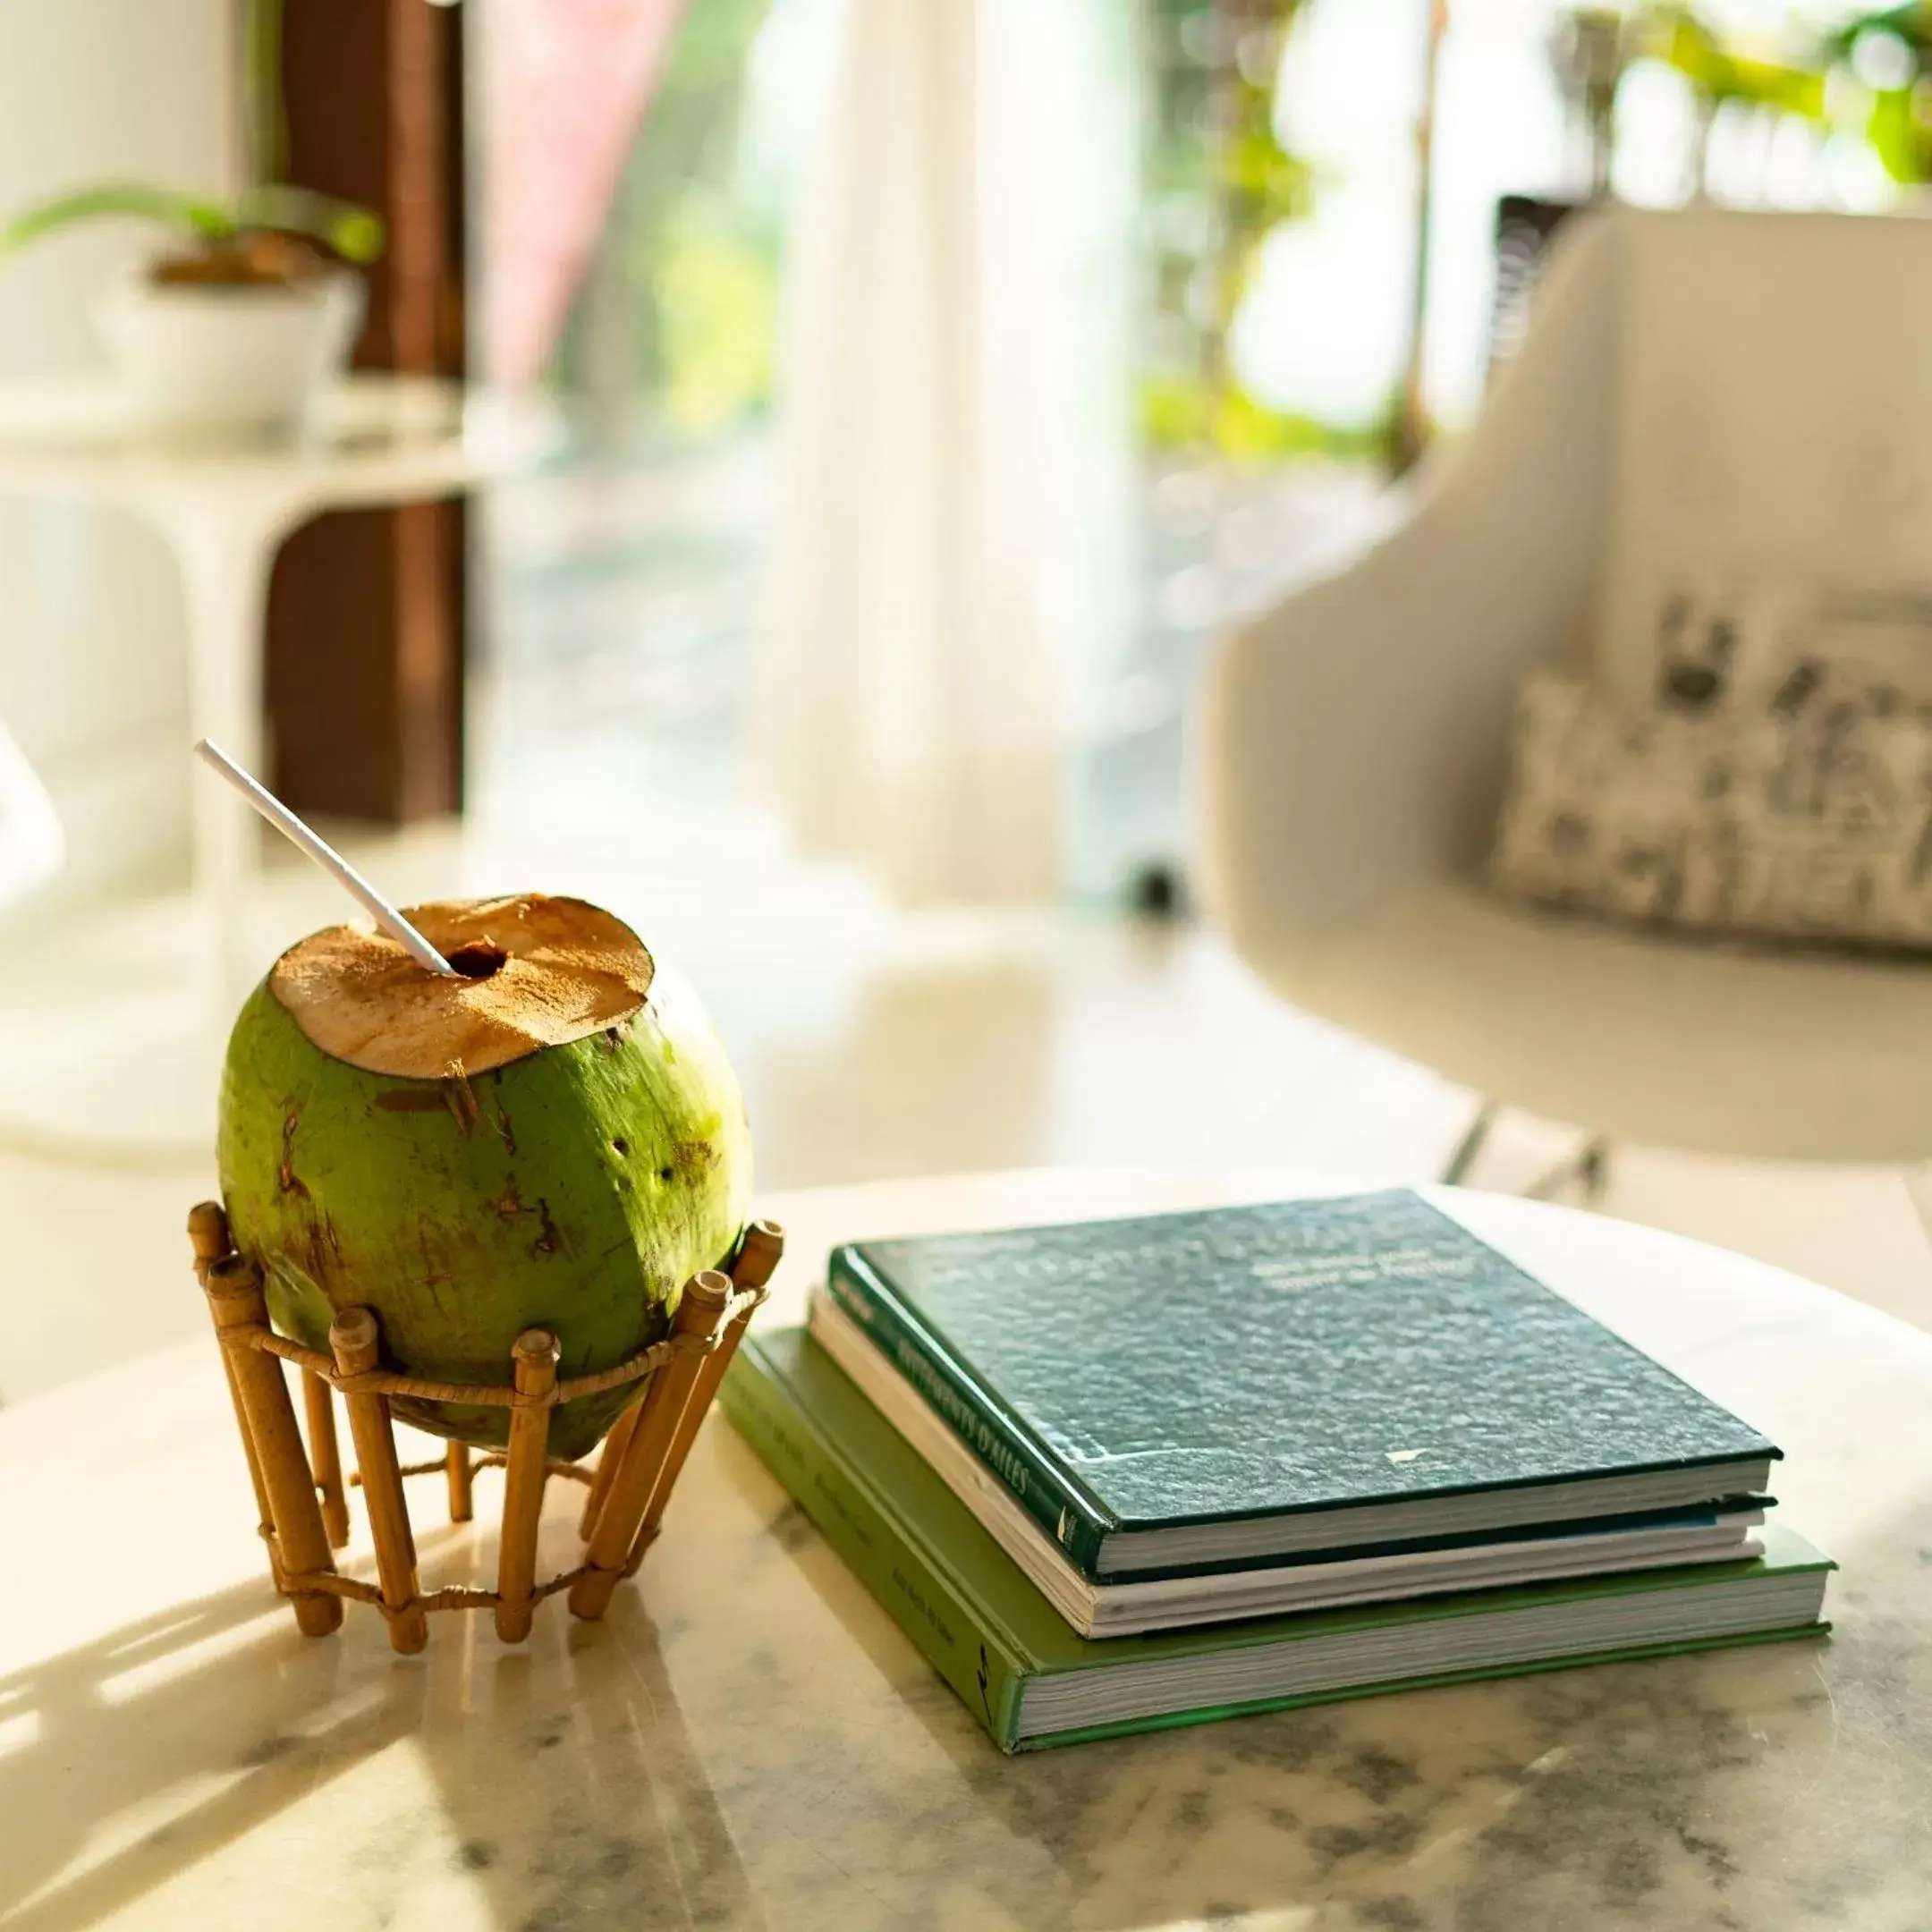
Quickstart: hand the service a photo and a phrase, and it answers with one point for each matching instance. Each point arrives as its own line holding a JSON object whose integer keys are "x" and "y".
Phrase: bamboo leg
{"x": 353, "y": 1338}
{"x": 461, "y": 1483}
{"x": 207, "y": 1230}
{"x": 605, "y": 1472}
{"x": 631, "y": 1488}
{"x": 234, "y": 1293}
{"x": 758, "y": 1256}
{"x": 764, "y": 1244}
{"x": 535, "y": 1361}
{"x": 325, "y": 1457}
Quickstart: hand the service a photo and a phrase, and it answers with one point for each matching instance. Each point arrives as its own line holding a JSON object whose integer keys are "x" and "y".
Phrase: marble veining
{"x": 748, "y": 1741}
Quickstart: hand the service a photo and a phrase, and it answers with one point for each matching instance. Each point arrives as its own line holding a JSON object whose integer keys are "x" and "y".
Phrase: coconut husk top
{"x": 536, "y": 973}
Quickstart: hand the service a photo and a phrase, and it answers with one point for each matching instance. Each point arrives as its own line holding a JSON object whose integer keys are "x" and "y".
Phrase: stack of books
{"x": 1147, "y": 1472}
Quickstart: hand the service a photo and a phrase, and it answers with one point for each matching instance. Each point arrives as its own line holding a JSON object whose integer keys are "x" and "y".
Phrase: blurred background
{"x": 902, "y": 396}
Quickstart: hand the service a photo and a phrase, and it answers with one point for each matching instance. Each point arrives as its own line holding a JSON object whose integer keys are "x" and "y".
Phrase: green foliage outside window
{"x": 715, "y": 289}
{"x": 699, "y": 247}
{"x": 1894, "y": 45}
{"x": 691, "y": 257}
{"x": 1869, "y": 76}
{"x": 1218, "y": 182}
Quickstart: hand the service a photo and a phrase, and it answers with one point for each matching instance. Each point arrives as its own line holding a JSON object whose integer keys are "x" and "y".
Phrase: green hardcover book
{"x": 1030, "y": 1681}
{"x": 1222, "y": 1389}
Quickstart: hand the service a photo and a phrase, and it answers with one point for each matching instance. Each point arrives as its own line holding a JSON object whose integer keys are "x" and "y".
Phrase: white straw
{"x": 332, "y": 862}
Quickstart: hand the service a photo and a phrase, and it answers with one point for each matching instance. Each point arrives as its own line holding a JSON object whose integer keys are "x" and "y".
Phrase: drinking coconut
{"x": 553, "y": 1138}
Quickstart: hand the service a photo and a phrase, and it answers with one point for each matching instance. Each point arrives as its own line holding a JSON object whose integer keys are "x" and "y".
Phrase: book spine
{"x": 1001, "y": 1446}
{"x": 976, "y": 1660}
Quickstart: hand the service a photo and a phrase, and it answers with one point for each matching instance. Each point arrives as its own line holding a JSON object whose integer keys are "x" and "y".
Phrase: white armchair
{"x": 1698, "y": 391}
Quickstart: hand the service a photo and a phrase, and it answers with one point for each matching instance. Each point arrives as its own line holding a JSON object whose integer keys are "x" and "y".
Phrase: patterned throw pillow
{"x": 1769, "y": 649}
{"x": 1779, "y": 784}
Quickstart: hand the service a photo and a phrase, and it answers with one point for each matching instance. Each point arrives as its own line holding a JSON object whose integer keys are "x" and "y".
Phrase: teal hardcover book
{"x": 1030, "y": 1681}
{"x": 1208, "y": 1390}
{"x": 1323, "y": 1580}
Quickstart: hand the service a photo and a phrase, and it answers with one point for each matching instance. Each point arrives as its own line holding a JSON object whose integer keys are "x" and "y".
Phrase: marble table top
{"x": 748, "y": 1740}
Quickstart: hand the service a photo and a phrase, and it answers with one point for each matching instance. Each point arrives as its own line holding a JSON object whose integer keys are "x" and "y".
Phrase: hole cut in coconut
{"x": 474, "y": 961}
{"x": 533, "y": 972}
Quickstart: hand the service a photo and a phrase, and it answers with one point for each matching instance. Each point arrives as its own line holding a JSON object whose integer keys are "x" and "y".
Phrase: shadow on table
{"x": 133, "y": 1731}
{"x": 166, "y": 1742}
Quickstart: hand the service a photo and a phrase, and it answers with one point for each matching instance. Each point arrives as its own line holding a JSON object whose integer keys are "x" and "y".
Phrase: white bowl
{"x": 246, "y": 362}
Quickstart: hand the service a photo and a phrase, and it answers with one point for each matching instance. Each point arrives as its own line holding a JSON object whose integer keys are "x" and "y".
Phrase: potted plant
{"x": 253, "y": 302}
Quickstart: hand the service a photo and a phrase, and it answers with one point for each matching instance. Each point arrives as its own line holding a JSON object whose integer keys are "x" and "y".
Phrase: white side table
{"x": 225, "y": 511}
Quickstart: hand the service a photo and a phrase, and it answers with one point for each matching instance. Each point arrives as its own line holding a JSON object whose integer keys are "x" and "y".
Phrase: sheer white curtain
{"x": 951, "y": 360}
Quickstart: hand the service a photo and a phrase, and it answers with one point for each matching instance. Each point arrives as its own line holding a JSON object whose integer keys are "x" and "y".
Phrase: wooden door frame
{"x": 367, "y": 610}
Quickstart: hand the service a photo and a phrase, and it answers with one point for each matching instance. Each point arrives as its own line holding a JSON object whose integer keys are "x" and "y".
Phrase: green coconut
{"x": 554, "y": 1139}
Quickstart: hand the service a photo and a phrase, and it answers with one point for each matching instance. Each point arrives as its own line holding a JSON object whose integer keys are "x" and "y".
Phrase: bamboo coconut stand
{"x": 302, "y": 1497}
